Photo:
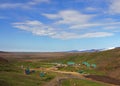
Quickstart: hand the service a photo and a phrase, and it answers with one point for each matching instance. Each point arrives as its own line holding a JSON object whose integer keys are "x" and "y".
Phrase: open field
{"x": 107, "y": 72}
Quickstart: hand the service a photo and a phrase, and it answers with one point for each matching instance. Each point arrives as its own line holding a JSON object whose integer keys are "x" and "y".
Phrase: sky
{"x": 59, "y": 25}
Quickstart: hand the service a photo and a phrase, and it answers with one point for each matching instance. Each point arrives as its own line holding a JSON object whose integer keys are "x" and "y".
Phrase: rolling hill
{"x": 3, "y": 60}
{"x": 107, "y": 61}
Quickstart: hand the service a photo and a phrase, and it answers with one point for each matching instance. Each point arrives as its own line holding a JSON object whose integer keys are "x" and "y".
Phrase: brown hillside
{"x": 2, "y": 60}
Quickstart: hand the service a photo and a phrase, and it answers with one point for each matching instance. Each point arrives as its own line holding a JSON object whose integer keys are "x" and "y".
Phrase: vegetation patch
{"x": 80, "y": 82}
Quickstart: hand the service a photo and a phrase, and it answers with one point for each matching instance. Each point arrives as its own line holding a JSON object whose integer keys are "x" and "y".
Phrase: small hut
{"x": 71, "y": 63}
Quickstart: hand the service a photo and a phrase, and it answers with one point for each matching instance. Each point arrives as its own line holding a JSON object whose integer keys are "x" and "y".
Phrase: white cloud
{"x": 91, "y": 9}
{"x": 66, "y": 35}
{"x": 69, "y": 17}
{"x": 111, "y": 27}
{"x": 23, "y": 5}
{"x": 69, "y": 24}
{"x": 115, "y": 7}
{"x": 3, "y": 17}
{"x": 34, "y": 2}
{"x": 51, "y": 16}
{"x": 82, "y": 26}
{"x": 77, "y": 20}
{"x": 96, "y": 34}
{"x": 38, "y": 28}
{"x": 87, "y": 25}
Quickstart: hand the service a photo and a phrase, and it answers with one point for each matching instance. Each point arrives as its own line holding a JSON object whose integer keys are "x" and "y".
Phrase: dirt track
{"x": 67, "y": 75}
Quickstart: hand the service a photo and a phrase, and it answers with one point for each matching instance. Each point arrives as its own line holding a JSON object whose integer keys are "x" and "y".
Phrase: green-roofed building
{"x": 86, "y": 64}
{"x": 70, "y": 63}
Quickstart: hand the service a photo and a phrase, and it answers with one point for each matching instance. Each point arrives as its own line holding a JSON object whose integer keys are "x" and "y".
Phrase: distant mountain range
{"x": 2, "y": 52}
{"x": 90, "y": 50}
{"x": 93, "y": 50}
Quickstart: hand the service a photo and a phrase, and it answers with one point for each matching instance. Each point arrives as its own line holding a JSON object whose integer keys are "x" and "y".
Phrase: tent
{"x": 93, "y": 65}
{"x": 81, "y": 71}
{"x": 27, "y": 71}
{"x": 42, "y": 74}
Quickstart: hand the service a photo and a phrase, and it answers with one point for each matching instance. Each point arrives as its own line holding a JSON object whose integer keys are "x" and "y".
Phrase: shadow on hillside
{"x": 105, "y": 79}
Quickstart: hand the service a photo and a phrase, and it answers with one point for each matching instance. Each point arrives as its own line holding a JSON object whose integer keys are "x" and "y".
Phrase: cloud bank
{"x": 23, "y": 5}
{"x": 62, "y": 18}
{"x": 70, "y": 24}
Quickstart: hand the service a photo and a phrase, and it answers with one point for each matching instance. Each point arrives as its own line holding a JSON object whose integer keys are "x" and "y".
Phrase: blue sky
{"x": 59, "y": 25}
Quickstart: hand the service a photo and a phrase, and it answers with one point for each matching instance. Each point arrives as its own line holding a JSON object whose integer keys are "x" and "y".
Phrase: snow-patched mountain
{"x": 110, "y": 48}
{"x": 93, "y": 50}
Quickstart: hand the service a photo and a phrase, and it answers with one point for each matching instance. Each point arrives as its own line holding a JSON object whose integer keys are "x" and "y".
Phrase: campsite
{"x": 59, "y": 42}
{"x": 60, "y": 69}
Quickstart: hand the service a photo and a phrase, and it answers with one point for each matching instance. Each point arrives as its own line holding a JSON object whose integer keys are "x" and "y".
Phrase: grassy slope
{"x": 108, "y": 62}
{"x": 17, "y": 79}
{"x": 12, "y": 75}
{"x": 78, "y": 82}
{"x": 20, "y": 79}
